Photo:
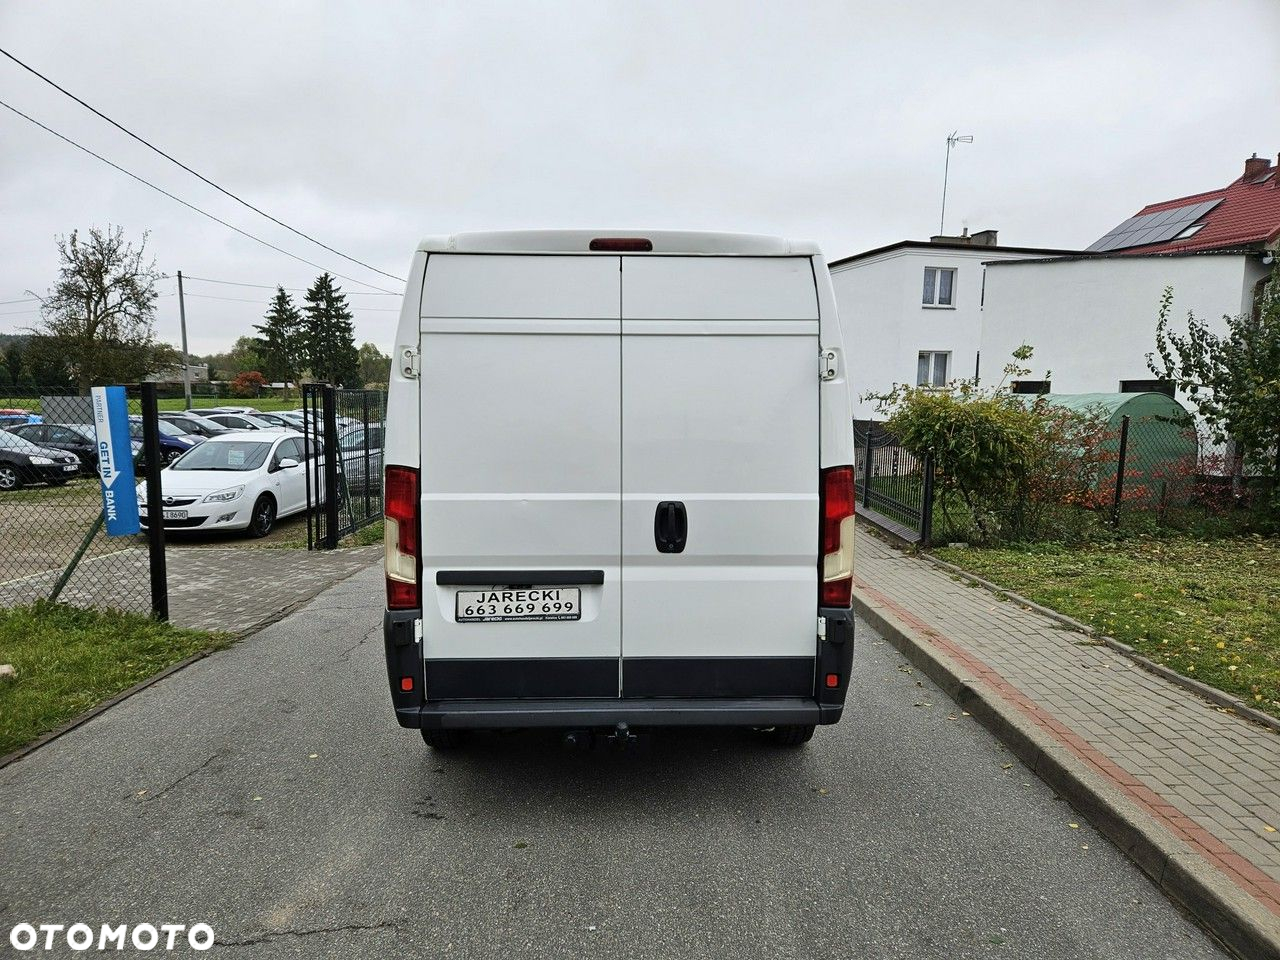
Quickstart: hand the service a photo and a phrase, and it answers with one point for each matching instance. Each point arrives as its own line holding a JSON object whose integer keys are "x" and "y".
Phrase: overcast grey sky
{"x": 371, "y": 125}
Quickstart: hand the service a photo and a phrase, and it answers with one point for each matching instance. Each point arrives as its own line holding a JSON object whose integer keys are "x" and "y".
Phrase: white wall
{"x": 885, "y": 325}
{"x": 1092, "y": 322}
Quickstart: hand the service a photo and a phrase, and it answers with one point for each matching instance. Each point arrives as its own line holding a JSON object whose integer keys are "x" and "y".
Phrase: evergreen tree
{"x": 5, "y": 379}
{"x": 330, "y": 334}
{"x": 281, "y": 345}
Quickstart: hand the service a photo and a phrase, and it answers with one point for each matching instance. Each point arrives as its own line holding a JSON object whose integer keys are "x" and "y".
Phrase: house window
{"x": 939, "y": 287}
{"x": 1147, "y": 386}
{"x": 931, "y": 368}
{"x": 1032, "y": 387}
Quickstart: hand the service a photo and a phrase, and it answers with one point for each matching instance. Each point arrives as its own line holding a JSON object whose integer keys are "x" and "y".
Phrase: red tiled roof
{"x": 1249, "y": 213}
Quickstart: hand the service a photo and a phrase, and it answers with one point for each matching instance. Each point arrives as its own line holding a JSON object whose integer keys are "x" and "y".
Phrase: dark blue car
{"x": 173, "y": 442}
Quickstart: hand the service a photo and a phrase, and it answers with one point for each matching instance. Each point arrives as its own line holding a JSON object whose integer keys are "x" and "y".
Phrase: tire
{"x": 791, "y": 736}
{"x": 263, "y": 517}
{"x": 444, "y": 739}
{"x": 9, "y": 478}
{"x": 171, "y": 456}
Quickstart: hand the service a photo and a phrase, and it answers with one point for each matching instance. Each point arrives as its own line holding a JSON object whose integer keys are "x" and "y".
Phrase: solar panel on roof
{"x": 1152, "y": 227}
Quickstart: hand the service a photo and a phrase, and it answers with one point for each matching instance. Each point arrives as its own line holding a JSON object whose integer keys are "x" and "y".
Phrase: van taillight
{"x": 400, "y": 538}
{"x": 837, "y": 537}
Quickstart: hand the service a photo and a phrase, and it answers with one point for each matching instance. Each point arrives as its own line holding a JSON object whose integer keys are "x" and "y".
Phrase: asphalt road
{"x": 267, "y": 792}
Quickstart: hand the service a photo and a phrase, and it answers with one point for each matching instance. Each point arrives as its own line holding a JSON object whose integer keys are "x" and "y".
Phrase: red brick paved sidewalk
{"x": 1208, "y": 777}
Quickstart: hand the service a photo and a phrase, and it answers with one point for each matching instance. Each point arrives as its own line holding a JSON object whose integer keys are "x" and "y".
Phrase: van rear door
{"x": 520, "y": 386}
{"x": 720, "y": 421}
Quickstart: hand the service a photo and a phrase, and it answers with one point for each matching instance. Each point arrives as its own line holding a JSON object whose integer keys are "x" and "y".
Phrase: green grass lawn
{"x": 1209, "y": 610}
{"x": 265, "y": 404}
{"x": 68, "y": 660}
{"x": 174, "y": 404}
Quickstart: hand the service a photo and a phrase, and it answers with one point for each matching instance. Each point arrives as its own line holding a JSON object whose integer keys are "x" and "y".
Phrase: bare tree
{"x": 97, "y": 321}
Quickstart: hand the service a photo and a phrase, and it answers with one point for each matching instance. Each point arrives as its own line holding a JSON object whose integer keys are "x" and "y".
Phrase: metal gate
{"x": 893, "y": 486}
{"x": 344, "y": 432}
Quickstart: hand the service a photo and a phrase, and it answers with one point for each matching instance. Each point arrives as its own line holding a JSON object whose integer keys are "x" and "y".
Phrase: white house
{"x": 1092, "y": 319}
{"x": 911, "y": 312}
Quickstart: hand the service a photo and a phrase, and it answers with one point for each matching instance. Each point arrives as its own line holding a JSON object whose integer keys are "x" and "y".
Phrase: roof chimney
{"x": 983, "y": 238}
{"x": 1255, "y": 167}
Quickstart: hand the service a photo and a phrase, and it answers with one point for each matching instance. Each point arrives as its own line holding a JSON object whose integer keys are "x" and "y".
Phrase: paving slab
{"x": 1205, "y": 775}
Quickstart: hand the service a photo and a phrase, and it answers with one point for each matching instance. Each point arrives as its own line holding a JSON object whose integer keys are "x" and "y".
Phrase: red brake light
{"x": 400, "y": 538}
{"x": 837, "y": 536}
{"x": 622, "y": 244}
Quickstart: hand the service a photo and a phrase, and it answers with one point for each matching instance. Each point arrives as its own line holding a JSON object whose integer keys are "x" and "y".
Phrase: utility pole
{"x": 952, "y": 140}
{"x": 186, "y": 369}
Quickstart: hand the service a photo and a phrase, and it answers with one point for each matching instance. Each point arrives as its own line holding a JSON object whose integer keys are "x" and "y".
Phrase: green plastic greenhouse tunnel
{"x": 1162, "y": 453}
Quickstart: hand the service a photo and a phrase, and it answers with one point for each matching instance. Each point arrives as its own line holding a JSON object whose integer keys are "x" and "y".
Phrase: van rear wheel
{"x": 444, "y": 739}
{"x": 794, "y": 735}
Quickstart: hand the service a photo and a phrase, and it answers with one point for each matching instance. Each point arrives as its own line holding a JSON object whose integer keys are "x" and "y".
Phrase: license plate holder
{"x": 517, "y": 604}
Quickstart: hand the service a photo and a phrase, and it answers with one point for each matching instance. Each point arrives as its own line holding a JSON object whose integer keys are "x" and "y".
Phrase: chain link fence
{"x": 52, "y": 541}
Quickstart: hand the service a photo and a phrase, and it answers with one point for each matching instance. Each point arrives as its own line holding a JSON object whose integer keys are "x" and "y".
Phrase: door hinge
{"x": 409, "y": 362}
{"x": 828, "y": 364}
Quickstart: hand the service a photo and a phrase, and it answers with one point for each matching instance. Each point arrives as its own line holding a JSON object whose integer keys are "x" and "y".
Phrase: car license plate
{"x": 70, "y": 468}
{"x": 531, "y": 603}
{"x": 175, "y": 514}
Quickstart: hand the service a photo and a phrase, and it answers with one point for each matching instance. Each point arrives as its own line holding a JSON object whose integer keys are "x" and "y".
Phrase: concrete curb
{"x": 105, "y": 705}
{"x": 1243, "y": 924}
{"x": 1209, "y": 693}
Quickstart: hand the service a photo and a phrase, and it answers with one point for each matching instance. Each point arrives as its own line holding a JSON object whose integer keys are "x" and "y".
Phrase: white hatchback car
{"x": 240, "y": 481}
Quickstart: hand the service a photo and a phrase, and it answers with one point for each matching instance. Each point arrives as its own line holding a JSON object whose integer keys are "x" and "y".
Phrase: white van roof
{"x": 579, "y": 241}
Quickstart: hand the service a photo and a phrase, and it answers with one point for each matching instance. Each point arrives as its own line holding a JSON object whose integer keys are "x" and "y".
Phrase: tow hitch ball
{"x": 622, "y": 737}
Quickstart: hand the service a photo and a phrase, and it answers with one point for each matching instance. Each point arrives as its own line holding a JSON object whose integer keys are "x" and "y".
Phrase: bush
{"x": 1007, "y": 469}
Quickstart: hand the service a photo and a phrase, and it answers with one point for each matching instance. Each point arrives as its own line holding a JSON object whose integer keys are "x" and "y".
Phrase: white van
{"x": 619, "y": 486}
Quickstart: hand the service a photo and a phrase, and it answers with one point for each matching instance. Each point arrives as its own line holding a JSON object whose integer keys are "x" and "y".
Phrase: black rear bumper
{"x": 555, "y": 693}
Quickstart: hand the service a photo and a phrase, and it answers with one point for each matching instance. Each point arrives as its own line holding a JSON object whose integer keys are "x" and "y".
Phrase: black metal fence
{"x": 893, "y": 486}
{"x": 53, "y": 545}
{"x": 344, "y": 431}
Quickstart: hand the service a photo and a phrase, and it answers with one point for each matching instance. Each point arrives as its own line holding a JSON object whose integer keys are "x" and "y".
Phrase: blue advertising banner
{"x": 115, "y": 461}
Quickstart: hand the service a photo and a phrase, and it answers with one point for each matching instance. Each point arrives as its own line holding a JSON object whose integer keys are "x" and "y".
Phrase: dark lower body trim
{"x": 642, "y": 677}
{"x": 717, "y": 676}
{"x": 482, "y": 714}
{"x": 522, "y": 679}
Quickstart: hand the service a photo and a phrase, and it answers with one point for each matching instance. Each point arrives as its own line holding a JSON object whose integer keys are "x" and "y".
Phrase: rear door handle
{"x": 670, "y": 526}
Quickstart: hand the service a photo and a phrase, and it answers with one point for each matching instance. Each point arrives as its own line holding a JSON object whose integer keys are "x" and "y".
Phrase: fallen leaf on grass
{"x": 1074, "y": 826}
{"x": 1006, "y": 766}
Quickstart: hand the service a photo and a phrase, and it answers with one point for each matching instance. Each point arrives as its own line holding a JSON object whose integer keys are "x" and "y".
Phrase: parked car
{"x": 173, "y": 442}
{"x": 275, "y": 419}
{"x": 12, "y": 417}
{"x": 195, "y": 424}
{"x": 295, "y": 420}
{"x": 205, "y": 411}
{"x": 243, "y": 421}
{"x": 77, "y": 438}
{"x": 23, "y": 462}
{"x": 360, "y": 451}
{"x": 239, "y": 481}
{"x": 640, "y": 520}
